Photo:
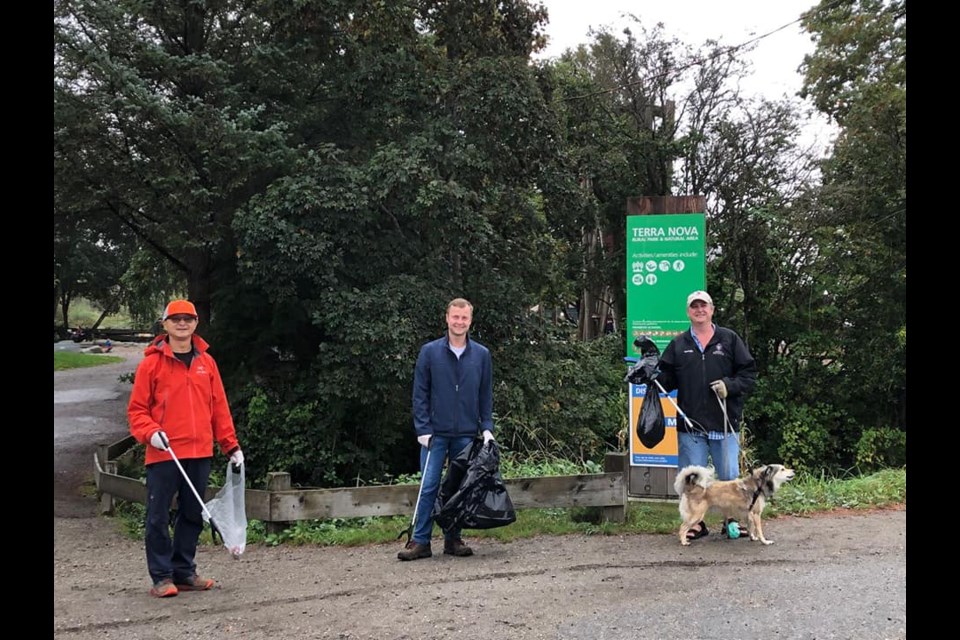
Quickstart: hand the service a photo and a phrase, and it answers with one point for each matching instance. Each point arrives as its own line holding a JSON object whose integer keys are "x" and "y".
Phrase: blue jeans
{"x": 693, "y": 448}
{"x": 431, "y": 466}
{"x": 174, "y": 558}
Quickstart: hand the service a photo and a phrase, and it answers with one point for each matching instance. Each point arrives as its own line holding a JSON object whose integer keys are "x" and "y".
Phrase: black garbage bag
{"x": 472, "y": 495}
{"x": 646, "y": 370}
{"x": 650, "y": 423}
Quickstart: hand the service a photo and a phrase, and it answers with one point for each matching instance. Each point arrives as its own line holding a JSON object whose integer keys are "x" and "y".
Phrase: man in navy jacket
{"x": 452, "y": 403}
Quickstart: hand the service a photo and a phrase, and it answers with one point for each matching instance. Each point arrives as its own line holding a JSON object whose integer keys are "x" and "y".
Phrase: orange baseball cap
{"x": 177, "y": 307}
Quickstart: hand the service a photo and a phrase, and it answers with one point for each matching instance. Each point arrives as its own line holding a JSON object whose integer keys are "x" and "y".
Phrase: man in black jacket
{"x": 712, "y": 371}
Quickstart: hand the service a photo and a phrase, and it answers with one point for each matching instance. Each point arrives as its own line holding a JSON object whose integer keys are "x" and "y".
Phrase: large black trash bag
{"x": 646, "y": 370}
{"x": 650, "y": 422}
{"x": 472, "y": 494}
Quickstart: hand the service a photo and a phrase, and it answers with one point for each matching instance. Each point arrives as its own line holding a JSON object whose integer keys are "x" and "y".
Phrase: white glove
{"x": 156, "y": 441}
{"x": 424, "y": 440}
{"x": 487, "y": 436}
{"x": 237, "y": 457}
{"x": 719, "y": 388}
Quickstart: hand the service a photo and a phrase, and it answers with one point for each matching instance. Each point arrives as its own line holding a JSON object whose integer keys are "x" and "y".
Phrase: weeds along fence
{"x": 280, "y": 505}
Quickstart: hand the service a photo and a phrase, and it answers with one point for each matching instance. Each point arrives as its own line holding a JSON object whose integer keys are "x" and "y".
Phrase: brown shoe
{"x": 415, "y": 551}
{"x": 163, "y": 589}
{"x": 456, "y": 548}
{"x": 195, "y": 583}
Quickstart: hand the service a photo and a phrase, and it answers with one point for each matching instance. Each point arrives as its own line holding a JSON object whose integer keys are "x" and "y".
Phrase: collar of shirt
{"x": 696, "y": 340}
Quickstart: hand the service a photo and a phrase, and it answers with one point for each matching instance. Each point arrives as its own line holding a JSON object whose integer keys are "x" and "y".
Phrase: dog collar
{"x": 763, "y": 483}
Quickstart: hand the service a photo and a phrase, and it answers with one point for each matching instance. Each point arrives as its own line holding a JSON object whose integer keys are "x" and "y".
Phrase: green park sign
{"x": 665, "y": 262}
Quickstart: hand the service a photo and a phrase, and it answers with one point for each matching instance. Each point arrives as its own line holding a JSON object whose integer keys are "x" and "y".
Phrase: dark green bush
{"x": 881, "y": 448}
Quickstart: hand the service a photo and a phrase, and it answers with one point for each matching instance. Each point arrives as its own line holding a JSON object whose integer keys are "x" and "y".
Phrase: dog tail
{"x": 692, "y": 476}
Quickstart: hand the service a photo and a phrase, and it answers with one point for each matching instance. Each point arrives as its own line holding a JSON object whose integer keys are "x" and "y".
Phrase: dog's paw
{"x": 685, "y": 543}
{"x": 766, "y": 541}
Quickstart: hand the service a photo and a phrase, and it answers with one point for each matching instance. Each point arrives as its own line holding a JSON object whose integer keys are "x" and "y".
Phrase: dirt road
{"x": 839, "y": 576}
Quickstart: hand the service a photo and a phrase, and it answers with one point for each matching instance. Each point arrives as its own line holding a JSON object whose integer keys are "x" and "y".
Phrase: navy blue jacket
{"x": 452, "y": 397}
{"x": 684, "y": 368}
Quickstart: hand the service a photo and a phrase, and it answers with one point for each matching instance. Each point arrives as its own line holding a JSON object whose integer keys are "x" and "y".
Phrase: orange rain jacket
{"x": 189, "y": 406}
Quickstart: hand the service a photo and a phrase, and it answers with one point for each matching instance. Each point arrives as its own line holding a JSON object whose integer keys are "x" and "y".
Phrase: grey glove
{"x": 237, "y": 457}
{"x": 158, "y": 440}
{"x": 487, "y": 436}
{"x": 424, "y": 440}
{"x": 719, "y": 388}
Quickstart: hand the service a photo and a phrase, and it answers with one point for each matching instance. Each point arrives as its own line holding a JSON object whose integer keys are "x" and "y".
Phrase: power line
{"x": 698, "y": 61}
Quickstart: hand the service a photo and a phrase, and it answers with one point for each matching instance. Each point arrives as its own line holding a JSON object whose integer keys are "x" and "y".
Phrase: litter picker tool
{"x": 416, "y": 506}
{"x": 214, "y": 530}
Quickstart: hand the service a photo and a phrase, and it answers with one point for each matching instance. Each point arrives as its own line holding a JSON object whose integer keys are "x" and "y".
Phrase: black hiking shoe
{"x": 415, "y": 551}
{"x": 456, "y": 548}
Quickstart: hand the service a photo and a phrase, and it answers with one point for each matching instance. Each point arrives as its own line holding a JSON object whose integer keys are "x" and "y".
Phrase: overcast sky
{"x": 733, "y": 22}
{"x": 775, "y": 58}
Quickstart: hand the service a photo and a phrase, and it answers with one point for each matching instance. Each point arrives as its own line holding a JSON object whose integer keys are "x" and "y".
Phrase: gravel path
{"x": 824, "y": 578}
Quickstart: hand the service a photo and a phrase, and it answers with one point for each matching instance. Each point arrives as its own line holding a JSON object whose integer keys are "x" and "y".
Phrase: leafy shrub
{"x": 808, "y": 441}
{"x": 881, "y": 448}
{"x": 561, "y": 399}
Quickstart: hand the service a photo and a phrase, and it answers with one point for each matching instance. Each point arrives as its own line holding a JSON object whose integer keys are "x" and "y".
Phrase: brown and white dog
{"x": 699, "y": 492}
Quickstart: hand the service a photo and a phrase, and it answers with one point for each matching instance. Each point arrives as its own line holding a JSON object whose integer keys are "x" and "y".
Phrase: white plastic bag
{"x": 228, "y": 511}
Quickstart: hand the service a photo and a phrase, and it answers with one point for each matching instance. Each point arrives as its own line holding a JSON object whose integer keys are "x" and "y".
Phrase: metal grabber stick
{"x": 675, "y": 405}
{"x": 416, "y": 506}
{"x": 203, "y": 505}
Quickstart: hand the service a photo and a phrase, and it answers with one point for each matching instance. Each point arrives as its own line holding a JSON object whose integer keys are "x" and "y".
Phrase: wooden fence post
{"x": 277, "y": 481}
{"x": 612, "y": 463}
{"x": 107, "y": 501}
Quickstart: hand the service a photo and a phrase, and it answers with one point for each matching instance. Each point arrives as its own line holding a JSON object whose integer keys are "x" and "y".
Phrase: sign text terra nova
{"x": 660, "y": 232}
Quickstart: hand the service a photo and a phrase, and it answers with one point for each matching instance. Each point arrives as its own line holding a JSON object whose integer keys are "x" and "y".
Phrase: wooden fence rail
{"x": 280, "y": 504}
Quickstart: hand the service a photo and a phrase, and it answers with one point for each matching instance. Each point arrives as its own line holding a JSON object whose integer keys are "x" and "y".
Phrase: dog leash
{"x": 728, "y": 427}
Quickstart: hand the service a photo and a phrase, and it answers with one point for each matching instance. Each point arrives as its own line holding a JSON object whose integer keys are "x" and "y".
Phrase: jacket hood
{"x": 161, "y": 346}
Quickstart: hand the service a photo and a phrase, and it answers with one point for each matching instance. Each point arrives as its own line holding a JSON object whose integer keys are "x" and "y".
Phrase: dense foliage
{"x": 322, "y": 176}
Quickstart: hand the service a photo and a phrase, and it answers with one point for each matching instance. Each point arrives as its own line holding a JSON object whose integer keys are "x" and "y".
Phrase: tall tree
{"x": 428, "y": 192}
{"x": 857, "y": 76}
{"x": 166, "y": 114}
{"x": 613, "y": 100}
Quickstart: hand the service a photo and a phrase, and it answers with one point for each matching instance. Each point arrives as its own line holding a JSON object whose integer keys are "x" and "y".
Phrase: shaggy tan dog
{"x": 747, "y": 496}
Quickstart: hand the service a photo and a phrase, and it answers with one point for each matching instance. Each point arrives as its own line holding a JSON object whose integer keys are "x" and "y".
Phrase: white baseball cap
{"x": 699, "y": 295}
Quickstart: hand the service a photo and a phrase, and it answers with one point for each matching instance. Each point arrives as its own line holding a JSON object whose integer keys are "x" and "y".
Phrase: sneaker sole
{"x": 190, "y": 587}
{"x": 165, "y": 594}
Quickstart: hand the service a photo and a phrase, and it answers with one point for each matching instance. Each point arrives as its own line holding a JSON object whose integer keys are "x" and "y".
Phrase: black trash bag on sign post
{"x": 650, "y": 422}
{"x": 472, "y": 494}
{"x": 646, "y": 370}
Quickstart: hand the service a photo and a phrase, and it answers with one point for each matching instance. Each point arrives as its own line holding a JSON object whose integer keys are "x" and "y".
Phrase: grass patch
{"x": 63, "y": 360}
{"x": 804, "y": 495}
{"x": 816, "y": 494}
{"x": 83, "y": 313}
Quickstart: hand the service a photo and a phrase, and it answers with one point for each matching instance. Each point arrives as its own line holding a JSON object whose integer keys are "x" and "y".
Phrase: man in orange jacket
{"x": 178, "y": 403}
